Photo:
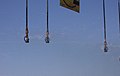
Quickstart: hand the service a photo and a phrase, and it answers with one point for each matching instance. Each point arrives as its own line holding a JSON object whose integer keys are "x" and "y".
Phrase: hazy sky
{"x": 76, "y": 39}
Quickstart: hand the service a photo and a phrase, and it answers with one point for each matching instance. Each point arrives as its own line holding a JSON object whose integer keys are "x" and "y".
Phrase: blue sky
{"x": 76, "y": 46}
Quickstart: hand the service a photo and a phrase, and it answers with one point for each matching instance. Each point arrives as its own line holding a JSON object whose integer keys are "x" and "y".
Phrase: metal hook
{"x": 26, "y": 39}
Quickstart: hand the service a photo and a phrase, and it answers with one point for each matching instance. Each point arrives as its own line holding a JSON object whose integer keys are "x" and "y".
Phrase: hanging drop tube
{"x": 105, "y": 36}
{"x": 119, "y": 13}
{"x": 26, "y": 38}
{"x": 47, "y": 32}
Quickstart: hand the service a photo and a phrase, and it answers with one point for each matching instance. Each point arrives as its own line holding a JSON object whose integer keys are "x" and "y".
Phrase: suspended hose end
{"x": 26, "y": 39}
{"x": 47, "y": 40}
{"x": 105, "y": 47}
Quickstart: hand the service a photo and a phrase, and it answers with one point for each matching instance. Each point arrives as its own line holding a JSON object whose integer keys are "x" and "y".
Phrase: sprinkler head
{"x": 47, "y": 39}
{"x": 26, "y": 39}
{"x": 105, "y": 47}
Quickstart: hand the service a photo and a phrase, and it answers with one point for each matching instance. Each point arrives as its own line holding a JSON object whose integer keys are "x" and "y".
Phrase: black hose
{"x": 105, "y": 37}
{"x": 47, "y": 32}
{"x": 26, "y": 39}
{"x": 104, "y": 20}
{"x": 119, "y": 14}
{"x": 47, "y": 17}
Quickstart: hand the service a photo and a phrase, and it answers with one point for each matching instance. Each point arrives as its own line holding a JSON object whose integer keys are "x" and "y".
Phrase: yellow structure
{"x": 71, "y": 4}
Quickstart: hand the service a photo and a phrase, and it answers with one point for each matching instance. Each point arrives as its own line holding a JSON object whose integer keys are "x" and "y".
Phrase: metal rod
{"x": 47, "y": 17}
{"x": 105, "y": 37}
{"x": 104, "y": 20}
{"x": 26, "y": 39}
{"x": 26, "y": 13}
{"x": 119, "y": 14}
{"x": 47, "y": 32}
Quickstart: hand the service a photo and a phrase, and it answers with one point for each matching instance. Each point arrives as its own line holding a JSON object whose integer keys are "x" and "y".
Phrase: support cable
{"x": 47, "y": 32}
{"x": 119, "y": 14}
{"x": 105, "y": 37}
{"x": 26, "y": 38}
